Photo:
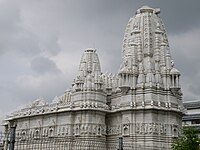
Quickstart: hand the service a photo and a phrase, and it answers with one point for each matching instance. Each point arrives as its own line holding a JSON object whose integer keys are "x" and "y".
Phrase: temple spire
{"x": 89, "y": 73}
{"x": 146, "y": 52}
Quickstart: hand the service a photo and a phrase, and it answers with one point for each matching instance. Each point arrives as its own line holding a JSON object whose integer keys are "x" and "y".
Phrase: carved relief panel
{"x": 150, "y": 128}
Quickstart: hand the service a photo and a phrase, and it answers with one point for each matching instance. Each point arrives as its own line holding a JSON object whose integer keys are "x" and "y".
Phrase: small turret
{"x": 174, "y": 79}
{"x": 89, "y": 74}
{"x": 89, "y": 85}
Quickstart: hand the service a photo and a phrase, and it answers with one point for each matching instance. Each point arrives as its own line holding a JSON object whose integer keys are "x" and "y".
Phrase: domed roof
{"x": 124, "y": 70}
{"x": 174, "y": 71}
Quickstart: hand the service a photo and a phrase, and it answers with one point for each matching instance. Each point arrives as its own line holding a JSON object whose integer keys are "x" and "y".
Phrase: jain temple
{"x": 142, "y": 103}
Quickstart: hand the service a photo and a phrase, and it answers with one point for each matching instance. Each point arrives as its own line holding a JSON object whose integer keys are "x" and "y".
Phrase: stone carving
{"x": 51, "y": 132}
{"x": 62, "y": 130}
{"x": 23, "y": 135}
{"x": 52, "y": 122}
{"x": 113, "y": 130}
{"x": 38, "y": 102}
{"x": 151, "y": 128}
{"x": 126, "y": 130}
{"x": 36, "y": 133}
{"x": 45, "y": 132}
{"x": 89, "y": 105}
{"x": 99, "y": 130}
{"x": 77, "y": 130}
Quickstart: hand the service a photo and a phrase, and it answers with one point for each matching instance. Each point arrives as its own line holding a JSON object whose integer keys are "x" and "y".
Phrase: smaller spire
{"x": 174, "y": 71}
{"x": 89, "y": 71}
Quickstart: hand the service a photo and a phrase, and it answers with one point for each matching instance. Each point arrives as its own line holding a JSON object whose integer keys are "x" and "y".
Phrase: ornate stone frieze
{"x": 151, "y": 128}
{"x": 113, "y": 130}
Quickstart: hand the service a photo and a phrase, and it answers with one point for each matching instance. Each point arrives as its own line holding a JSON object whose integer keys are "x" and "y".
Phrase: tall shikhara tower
{"x": 142, "y": 103}
{"x": 147, "y": 104}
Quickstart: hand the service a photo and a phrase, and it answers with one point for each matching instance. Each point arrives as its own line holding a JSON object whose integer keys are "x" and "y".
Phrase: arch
{"x": 175, "y": 132}
{"x": 126, "y": 130}
{"x": 99, "y": 130}
{"x": 51, "y": 132}
{"x": 23, "y": 135}
{"x": 36, "y": 134}
{"x": 77, "y": 130}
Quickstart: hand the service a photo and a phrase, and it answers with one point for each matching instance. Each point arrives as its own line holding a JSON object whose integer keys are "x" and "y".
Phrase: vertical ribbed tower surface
{"x": 147, "y": 103}
{"x": 146, "y": 53}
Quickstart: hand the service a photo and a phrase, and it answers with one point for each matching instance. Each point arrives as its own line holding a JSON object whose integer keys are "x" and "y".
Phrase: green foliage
{"x": 188, "y": 141}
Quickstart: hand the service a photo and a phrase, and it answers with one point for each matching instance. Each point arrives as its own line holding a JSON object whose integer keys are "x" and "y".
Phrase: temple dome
{"x": 174, "y": 71}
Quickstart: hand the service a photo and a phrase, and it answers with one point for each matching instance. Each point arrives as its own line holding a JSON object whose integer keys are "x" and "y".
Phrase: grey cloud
{"x": 9, "y": 18}
{"x": 194, "y": 88}
{"x": 18, "y": 37}
{"x": 42, "y": 65}
{"x": 52, "y": 45}
{"x": 14, "y": 37}
{"x": 185, "y": 51}
{"x": 190, "y": 87}
{"x": 178, "y": 16}
{"x": 47, "y": 86}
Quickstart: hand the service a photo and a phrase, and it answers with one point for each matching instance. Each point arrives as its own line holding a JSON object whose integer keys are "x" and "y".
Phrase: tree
{"x": 188, "y": 141}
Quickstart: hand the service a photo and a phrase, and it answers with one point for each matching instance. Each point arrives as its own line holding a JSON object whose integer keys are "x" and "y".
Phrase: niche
{"x": 23, "y": 135}
{"x": 51, "y": 132}
{"x": 126, "y": 130}
{"x": 175, "y": 132}
{"x": 77, "y": 130}
{"x": 37, "y": 134}
{"x": 98, "y": 130}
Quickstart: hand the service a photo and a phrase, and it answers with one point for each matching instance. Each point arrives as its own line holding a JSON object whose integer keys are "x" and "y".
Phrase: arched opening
{"x": 51, "y": 132}
{"x": 63, "y": 130}
{"x": 99, "y": 130}
{"x": 77, "y": 131}
{"x": 37, "y": 134}
{"x": 23, "y": 135}
{"x": 126, "y": 130}
{"x": 175, "y": 132}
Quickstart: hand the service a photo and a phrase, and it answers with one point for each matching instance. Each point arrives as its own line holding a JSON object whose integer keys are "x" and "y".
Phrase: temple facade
{"x": 142, "y": 103}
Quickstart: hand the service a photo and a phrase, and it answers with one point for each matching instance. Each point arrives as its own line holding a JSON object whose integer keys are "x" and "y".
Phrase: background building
{"x": 192, "y": 117}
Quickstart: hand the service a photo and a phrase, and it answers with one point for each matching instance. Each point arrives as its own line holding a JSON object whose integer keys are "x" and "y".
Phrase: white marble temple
{"x": 142, "y": 103}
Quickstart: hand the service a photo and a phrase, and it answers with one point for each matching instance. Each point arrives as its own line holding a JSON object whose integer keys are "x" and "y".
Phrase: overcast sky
{"x": 41, "y": 43}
